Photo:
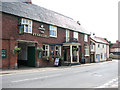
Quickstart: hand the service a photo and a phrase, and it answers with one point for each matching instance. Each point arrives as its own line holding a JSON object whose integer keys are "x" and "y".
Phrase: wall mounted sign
{"x": 21, "y": 30}
{"x": 3, "y": 53}
{"x": 40, "y": 35}
{"x": 42, "y": 29}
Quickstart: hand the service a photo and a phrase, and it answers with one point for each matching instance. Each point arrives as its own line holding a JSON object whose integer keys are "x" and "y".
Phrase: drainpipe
{"x": 9, "y": 56}
{"x": 71, "y": 52}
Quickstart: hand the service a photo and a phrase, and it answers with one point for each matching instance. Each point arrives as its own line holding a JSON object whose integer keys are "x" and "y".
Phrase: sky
{"x": 96, "y": 16}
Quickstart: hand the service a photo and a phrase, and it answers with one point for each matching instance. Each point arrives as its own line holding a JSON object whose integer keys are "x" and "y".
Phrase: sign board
{"x": 21, "y": 30}
{"x": 3, "y": 53}
{"x": 40, "y": 35}
{"x": 56, "y": 63}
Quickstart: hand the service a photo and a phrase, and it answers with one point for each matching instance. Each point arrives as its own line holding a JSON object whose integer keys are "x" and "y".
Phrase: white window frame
{"x": 75, "y": 35}
{"x": 29, "y": 24}
{"x": 103, "y": 46}
{"x": 46, "y": 49}
{"x": 54, "y": 30}
{"x": 98, "y": 45}
{"x": 86, "y": 38}
{"x": 86, "y": 48}
{"x": 67, "y": 35}
{"x": 59, "y": 49}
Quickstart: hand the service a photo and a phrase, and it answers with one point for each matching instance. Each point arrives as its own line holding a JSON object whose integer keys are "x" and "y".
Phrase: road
{"x": 99, "y": 75}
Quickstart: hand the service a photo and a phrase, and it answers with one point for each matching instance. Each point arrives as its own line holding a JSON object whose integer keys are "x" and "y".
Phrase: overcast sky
{"x": 98, "y": 16}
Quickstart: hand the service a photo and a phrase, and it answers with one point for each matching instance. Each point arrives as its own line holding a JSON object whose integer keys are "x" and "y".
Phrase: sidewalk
{"x": 41, "y": 69}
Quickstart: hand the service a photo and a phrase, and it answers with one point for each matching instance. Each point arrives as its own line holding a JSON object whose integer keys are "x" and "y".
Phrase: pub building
{"x": 33, "y": 36}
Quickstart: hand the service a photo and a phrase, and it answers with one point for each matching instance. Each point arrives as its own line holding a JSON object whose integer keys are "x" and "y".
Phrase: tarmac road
{"x": 99, "y": 75}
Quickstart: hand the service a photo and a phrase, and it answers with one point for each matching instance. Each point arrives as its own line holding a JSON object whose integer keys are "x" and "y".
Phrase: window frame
{"x": 75, "y": 35}
{"x": 53, "y": 31}
{"x": 86, "y": 38}
{"x": 98, "y": 45}
{"x": 59, "y": 50}
{"x": 86, "y": 49}
{"x": 28, "y": 24}
{"x": 46, "y": 50}
{"x": 67, "y": 35}
{"x": 103, "y": 46}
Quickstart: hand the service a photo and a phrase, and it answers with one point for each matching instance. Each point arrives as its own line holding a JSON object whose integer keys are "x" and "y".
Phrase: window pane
{"x": 46, "y": 47}
{"x": 46, "y": 54}
{"x": 56, "y": 48}
{"x": 30, "y": 29}
{"x": 23, "y": 20}
{"x": 26, "y": 28}
{"x": 43, "y": 47}
{"x": 54, "y": 33}
{"x": 26, "y": 21}
{"x": 29, "y": 22}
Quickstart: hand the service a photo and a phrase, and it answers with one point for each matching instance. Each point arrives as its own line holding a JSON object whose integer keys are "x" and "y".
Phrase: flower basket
{"x": 16, "y": 50}
{"x": 40, "y": 49}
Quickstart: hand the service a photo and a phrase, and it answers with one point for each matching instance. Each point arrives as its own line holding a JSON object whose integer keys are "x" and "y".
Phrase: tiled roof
{"x": 41, "y": 14}
{"x": 116, "y": 45}
{"x": 99, "y": 40}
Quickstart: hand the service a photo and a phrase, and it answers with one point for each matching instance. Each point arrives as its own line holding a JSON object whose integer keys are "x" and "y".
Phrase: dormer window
{"x": 27, "y": 25}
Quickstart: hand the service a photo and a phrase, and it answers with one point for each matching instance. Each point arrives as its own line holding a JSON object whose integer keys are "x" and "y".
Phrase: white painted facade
{"x": 100, "y": 51}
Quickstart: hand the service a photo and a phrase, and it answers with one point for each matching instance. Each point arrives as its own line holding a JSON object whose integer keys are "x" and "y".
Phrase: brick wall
{"x": 10, "y": 36}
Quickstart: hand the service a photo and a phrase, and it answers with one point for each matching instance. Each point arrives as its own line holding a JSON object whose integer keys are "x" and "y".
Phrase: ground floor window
{"x": 58, "y": 50}
{"x": 45, "y": 50}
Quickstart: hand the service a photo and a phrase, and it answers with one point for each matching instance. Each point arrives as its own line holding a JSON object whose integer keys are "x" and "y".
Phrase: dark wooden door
{"x": 31, "y": 56}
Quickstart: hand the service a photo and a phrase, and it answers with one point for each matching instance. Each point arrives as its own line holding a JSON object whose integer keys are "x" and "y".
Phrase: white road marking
{"x": 113, "y": 83}
{"x": 36, "y": 78}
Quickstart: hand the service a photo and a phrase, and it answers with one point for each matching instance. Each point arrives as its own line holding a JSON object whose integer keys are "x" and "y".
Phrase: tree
{"x": 108, "y": 42}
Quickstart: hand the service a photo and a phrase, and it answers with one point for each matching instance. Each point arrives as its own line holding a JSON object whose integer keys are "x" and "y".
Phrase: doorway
{"x": 27, "y": 56}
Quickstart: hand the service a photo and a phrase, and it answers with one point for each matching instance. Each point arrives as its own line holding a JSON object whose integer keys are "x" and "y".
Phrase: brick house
{"x": 115, "y": 50}
{"x": 40, "y": 34}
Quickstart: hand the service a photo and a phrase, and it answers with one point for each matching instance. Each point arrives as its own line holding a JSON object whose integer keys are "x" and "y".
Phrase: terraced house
{"x": 34, "y": 36}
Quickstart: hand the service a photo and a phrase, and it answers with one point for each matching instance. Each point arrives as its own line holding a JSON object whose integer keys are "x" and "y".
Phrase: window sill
{"x": 28, "y": 32}
{"x": 53, "y": 36}
{"x": 86, "y": 55}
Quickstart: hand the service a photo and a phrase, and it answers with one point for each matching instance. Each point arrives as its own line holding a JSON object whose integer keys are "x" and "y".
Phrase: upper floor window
{"x": 45, "y": 50}
{"x": 53, "y": 31}
{"x": 75, "y": 35}
{"x": 85, "y": 38}
{"x": 91, "y": 45}
{"x": 98, "y": 45}
{"x": 58, "y": 50}
{"x": 103, "y": 46}
{"x": 67, "y": 35}
{"x": 27, "y": 25}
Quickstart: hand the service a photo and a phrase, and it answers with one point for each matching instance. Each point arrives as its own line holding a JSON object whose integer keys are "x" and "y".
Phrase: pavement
{"x": 42, "y": 69}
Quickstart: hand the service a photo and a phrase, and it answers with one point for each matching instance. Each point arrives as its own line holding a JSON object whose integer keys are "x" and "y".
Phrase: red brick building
{"x": 115, "y": 50}
{"x": 34, "y": 36}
